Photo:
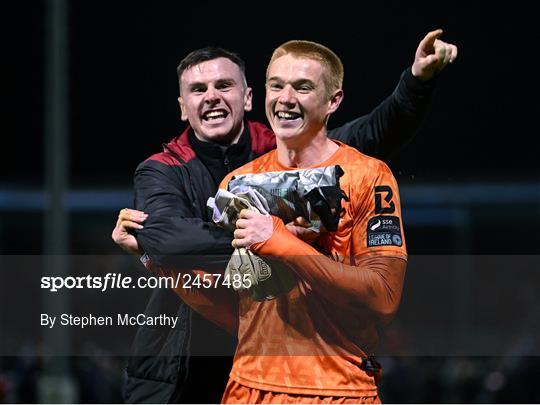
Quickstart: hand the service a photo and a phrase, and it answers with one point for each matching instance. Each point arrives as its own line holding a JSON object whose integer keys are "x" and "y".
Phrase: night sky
{"x": 123, "y": 84}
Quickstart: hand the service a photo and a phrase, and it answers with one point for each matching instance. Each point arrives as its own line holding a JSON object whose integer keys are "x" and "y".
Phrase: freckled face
{"x": 296, "y": 100}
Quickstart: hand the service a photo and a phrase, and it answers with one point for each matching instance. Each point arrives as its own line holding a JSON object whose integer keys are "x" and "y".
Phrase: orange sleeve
{"x": 375, "y": 282}
{"x": 376, "y": 214}
{"x": 217, "y": 303}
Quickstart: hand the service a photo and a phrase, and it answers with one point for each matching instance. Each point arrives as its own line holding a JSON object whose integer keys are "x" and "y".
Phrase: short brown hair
{"x": 210, "y": 53}
{"x": 333, "y": 72}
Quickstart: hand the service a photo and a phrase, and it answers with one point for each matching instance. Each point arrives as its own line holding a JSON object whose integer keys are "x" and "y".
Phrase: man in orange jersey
{"x": 164, "y": 185}
{"x": 314, "y": 342}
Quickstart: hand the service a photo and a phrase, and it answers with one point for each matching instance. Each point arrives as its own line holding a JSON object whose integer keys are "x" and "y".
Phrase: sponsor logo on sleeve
{"x": 384, "y": 230}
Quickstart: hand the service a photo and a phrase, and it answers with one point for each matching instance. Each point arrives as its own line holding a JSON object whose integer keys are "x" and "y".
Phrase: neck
{"x": 296, "y": 153}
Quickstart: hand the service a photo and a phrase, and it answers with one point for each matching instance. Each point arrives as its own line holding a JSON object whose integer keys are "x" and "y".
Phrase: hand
{"x": 432, "y": 55}
{"x": 252, "y": 227}
{"x": 300, "y": 228}
{"x": 128, "y": 220}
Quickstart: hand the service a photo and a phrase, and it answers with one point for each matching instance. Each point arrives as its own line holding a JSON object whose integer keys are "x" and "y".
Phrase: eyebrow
{"x": 275, "y": 79}
{"x": 218, "y": 83}
{"x": 194, "y": 85}
{"x": 225, "y": 81}
{"x": 298, "y": 82}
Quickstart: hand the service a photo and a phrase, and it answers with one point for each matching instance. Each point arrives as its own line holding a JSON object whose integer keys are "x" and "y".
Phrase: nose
{"x": 287, "y": 96}
{"x": 211, "y": 96}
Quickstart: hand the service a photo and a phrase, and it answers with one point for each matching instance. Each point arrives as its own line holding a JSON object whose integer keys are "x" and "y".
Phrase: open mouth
{"x": 287, "y": 115}
{"x": 214, "y": 115}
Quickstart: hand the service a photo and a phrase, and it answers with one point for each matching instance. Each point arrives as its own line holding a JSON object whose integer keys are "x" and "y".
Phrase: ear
{"x": 335, "y": 101}
{"x": 248, "y": 99}
{"x": 183, "y": 115}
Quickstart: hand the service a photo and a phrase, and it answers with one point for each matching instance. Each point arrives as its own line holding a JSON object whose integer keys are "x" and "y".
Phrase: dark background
{"x": 123, "y": 85}
{"x": 469, "y": 179}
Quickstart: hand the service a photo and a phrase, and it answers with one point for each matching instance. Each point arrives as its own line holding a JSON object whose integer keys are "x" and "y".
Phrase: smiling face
{"x": 297, "y": 101}
{"x": 213, "y": 98}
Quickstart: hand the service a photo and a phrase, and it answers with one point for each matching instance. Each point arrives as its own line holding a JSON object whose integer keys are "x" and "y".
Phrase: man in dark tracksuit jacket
{"x": 172, "y": 187}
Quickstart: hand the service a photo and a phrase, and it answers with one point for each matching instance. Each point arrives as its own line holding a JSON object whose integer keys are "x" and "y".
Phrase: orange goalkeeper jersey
{"x": 312, "y": 338}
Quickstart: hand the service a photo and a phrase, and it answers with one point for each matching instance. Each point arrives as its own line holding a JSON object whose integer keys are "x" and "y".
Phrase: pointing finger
{"x": 453, "y": 52}
{"x": 428, "y": 41}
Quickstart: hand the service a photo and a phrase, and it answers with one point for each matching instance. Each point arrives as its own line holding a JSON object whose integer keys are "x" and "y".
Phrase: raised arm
{"x": 394, "y": 122}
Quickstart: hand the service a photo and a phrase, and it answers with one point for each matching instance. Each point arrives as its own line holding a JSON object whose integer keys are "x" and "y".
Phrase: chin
{"x": 218, "y": 132}
{"x": 286, "y": 134}
{"x": 221, "y": 137}
{"x": 218, "y": 137}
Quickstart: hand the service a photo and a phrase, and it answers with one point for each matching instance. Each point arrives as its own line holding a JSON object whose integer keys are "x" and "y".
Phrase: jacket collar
{"x": 261, "y": 137}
